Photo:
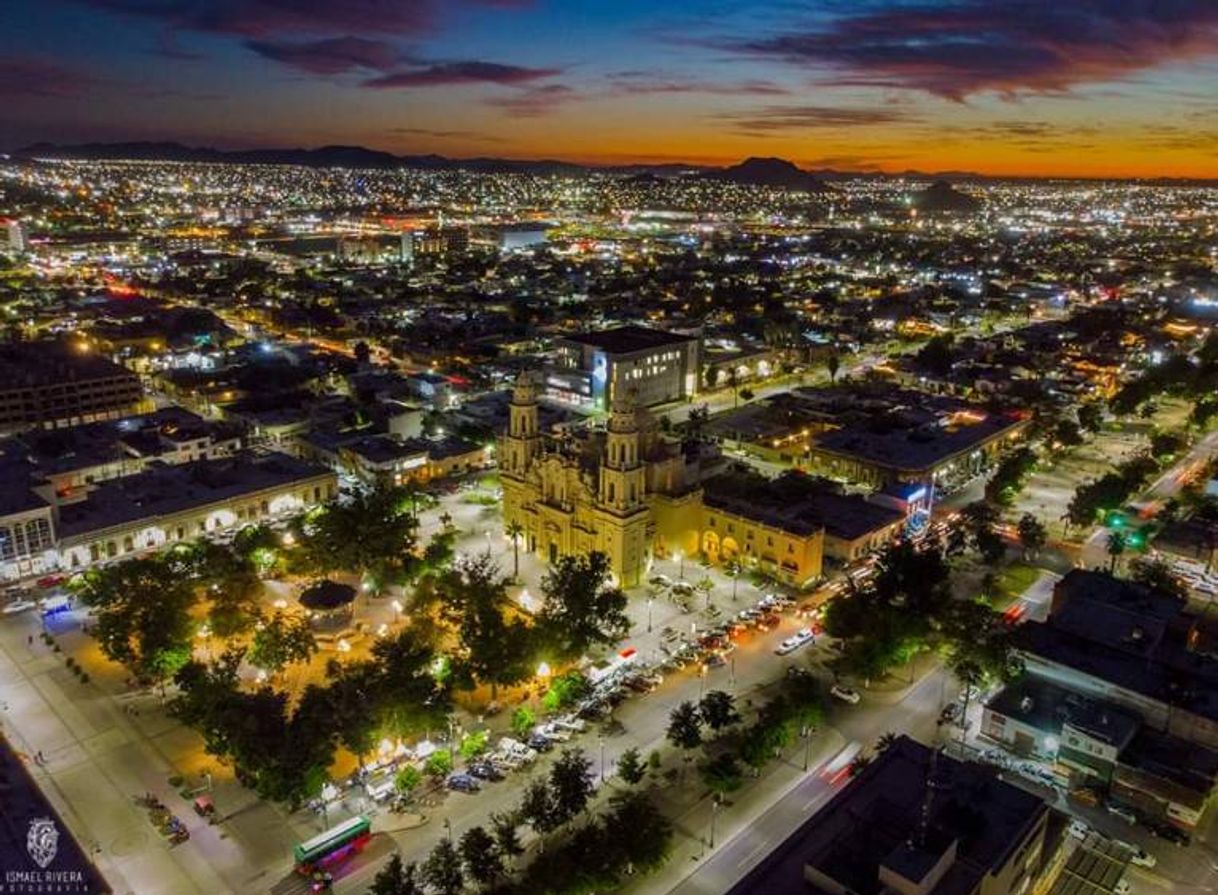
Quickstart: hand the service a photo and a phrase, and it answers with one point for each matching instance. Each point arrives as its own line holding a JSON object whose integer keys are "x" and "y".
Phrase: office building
{"x": 592, "y": 369}
{"x": 54, "y": 384}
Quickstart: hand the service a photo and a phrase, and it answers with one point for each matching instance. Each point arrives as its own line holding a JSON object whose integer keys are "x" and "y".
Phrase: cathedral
{"x": 578, "y": 492}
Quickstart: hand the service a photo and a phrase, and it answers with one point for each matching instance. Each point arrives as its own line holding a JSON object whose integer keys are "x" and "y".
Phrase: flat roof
{"x": 879, "y": 811}
{"x": 162, "y": 490}
{"x": 627, "y": 339}
{"x": 46, "y": 363}
{"x": 1041, "y": 704}
{"x": 797, "y": 503}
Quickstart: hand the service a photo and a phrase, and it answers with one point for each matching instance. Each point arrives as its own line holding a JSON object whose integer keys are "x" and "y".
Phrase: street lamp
{"x": 681, "y": 560}
{"x": 448, "y": 828}
{"x": 650, "y": 601}
{"x": 714, "y": 814}
{"x": 602, "y": 742}
{"x": 807, "y": 732}
{"x": 397, "y": 610}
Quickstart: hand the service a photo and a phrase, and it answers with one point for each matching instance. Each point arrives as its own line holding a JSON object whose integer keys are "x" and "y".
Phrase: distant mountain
{"x": 943, "y": 198}
{"x": 325, "y": 157}
{"x": 771, "y": 172}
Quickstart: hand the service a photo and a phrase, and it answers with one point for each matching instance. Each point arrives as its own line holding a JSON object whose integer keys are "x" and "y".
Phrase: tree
{"x": 523, "y": 721}
{"x": 1115, "y": 547}
{"x": 566, "y": 690}
{"x": 396, "y": 878}
{"x": 571, "y": 783}
{"x": 479, "y": 852}
{"x": 885, "y": 742}
{"x": 142, "y": 613}
{"x": 439, "y": 763}
{"x": 370, "y": 532}
{"x": 722, "y": 774}
{"x": 407, "y": 780}
{"x": 361, "y": 352}
{"x": 718, "y": 710}
{"x": 1067, "y": 433}
{"x": 630, "y": 766}
{"x": 1032, "y": 534}
{"x": 1091, "y": 417}
{"x": 280, "y": 641}
{"x": 636, "y": 835}
{"x": 685, "y": 727}
{"x": 580, "y": 607}
{"x": 442, "y": 869}
{"x": 496, "y": 648}
{"x": 537, "y": 807}
{"x": 1157, "y": 574}
{"x": 507, "y": 837}
{"x": 473, "y": 745}
{"x": 833, "y": 363}
{"x": 515, "y": 531}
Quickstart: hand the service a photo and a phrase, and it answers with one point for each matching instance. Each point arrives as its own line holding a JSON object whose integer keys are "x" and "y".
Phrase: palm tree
{"x": 1116, "y": 546}
{"x": 833, "y": 363}
{"x": 515, "y": 531}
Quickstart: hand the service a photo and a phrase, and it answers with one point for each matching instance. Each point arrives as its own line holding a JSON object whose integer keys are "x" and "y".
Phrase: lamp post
{"x": 714, "y": 814}
{"x": 448, "y": 828}
{"x": 807, "y": 732}
{"x": 650, "y": 601}
{"x": 602, "y": 743}
{"x": 681, "y": 560}
{"x": 397, "y": 611}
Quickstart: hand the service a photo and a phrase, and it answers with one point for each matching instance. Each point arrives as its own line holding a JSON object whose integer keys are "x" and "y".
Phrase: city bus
{"x": 334, "y": 845}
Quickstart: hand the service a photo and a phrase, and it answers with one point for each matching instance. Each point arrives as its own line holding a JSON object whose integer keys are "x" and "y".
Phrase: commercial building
{"x": 43, "y": 531}
{"x": 52, "y": 384}
{"x": 1097, "y": 745}
{"x": 166, "y": 504}
{"x": 914, "y": 822}
{"x": 593, "y": 369}
{"x": 1123, "y": 643}
{"x": 920, "y": 439}
{"x": 386, "y": 460}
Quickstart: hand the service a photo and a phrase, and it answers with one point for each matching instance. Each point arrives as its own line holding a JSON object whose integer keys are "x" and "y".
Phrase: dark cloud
{"x": 784, "y": 118}
{"x": 30, "y": 76}
{"x": 534, "y": 102}
{"x": 471, "y": 72}
{"x": 266, "y": 18}
{"x": 331, "y": 56}
{"x": 957, "y": 48}
{"x": 642, "y": 83}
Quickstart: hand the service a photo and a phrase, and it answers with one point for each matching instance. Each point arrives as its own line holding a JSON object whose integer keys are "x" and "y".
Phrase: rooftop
{"x": 164, "y": 490}
{"x": 24, "y": 364}
{"x": 874, "y": 819}
{"x": 1047, "y": 707}
{"x": 627, "y": 339}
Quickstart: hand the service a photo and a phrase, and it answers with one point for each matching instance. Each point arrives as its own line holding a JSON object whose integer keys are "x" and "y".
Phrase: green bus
{"x": 334, "y": 845}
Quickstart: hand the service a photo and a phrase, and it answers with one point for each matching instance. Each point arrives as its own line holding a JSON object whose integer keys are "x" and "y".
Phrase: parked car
{"x": 1079, "y": 829}
{"x": 1122, "y": 887}
{"x": 1124, "y": 813}
{"x": 794, "y": 642}
{"x": 540, "y": 742}
{"x": 660, "y": 581}
{"x": 484, "y": 770}
{"x": 1141, "y": 858}
{"x": 796, "y": 673}
{"x": 18, "y": 606}
{"x": 571, "y": 723}
{"x": 844, "y": 693}
{"x": 950, "y": 713}
{"x": 683, "y": 589}
{"x": 1170, "y": 833}
{"x": 463, "y": 783}
{"x": 715, "y": 660}
{"x": 552, "y": 731}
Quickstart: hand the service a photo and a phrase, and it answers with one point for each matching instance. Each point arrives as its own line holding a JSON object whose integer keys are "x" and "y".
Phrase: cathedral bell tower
{"x": 522, "y": 444}
{"x": 622, "y": 476}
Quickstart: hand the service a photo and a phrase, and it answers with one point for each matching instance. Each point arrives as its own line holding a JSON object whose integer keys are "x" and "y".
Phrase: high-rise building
{"x": 406, "y": 249}
{"x": 51, "y": 384}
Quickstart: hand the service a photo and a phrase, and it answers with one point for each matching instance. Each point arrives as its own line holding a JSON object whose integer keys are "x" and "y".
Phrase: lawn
{"x": 1013, "y": 581}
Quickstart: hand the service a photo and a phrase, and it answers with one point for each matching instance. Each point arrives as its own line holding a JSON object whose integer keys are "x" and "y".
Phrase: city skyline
{"x": 1100, "y": 88}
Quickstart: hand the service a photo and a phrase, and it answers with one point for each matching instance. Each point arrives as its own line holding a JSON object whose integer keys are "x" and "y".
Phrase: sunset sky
{"x": 1053, "y": 87}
